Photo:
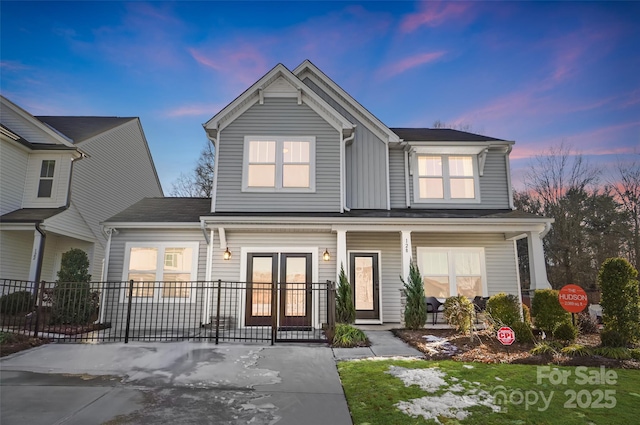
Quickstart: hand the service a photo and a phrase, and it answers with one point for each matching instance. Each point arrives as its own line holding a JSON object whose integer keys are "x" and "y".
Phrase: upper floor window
{"x": 446, "y": 178}
{"x": 45, "y": 186}
{"x": 279, "y": 163}
{"x": 161, "y": 271}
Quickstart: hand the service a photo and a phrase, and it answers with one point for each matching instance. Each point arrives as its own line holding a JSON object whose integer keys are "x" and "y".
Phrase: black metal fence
{"x": 165, "y": 311}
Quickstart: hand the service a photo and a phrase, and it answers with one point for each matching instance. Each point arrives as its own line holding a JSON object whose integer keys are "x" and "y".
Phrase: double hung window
{"x": 278, "y": 163}
{"x": 452, "y": 271}
{"x": 446, "y": 178}
{"x": 45, "y": 185}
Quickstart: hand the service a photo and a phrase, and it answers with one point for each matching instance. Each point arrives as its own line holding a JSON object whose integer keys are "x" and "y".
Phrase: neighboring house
{"x": 60, "y": 177}
{"x": 302, "y": 169}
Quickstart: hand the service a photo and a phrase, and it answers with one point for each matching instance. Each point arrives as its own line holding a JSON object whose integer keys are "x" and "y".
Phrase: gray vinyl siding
{"x": 231, "y": 270}
{"x": 278, "y": 117}
{"x": 24, "y": 128}
{"x": 500, "y": 260}
{"x": 494, "y": 191}
{"x": 15, "y": 254}
{"x": 397, "y": 182}
{"x": 60, "y": 187}
{"x": 167, "y": 314}
{"x": 365, "y": 161}
{"x": 118, "y": 173}
{"x": 390, "y": 267}
{"x": 55, "y": 246}
{"x": 13, "y": 172}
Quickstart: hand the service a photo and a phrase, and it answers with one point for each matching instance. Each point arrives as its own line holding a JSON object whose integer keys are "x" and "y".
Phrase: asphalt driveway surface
{"x": 172, "y": 383}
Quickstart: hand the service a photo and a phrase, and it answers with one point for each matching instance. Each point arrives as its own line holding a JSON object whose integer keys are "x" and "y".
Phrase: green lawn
{"x": 566, "y": 395}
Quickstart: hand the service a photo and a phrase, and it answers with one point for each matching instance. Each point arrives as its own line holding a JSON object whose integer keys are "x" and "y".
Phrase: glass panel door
{"x": 261, "y": 275}
{"x": 365, "y": 283}
{"x": 295, "y": 290}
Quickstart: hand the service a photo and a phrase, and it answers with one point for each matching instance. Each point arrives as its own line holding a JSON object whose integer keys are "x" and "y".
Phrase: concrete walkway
{"x": 383, "y": 344}
{"x": 182, "y": 383}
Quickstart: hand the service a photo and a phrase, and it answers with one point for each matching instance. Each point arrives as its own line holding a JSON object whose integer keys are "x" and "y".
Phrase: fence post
{"x": 274, "y": 312}
{"x": 39, "y": 296}
{"x": 331, "y": 305}
{"x": 218, "y": 310}
{"x": 126, "y": 331}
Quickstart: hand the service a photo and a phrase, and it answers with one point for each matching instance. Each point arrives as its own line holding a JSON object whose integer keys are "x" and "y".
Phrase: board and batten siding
{"x": 13, "y": 172}
{"x": 168, "y": 315}
{"x": 500, "y": 256}
{"x": 275, "y": 242}
{"x": 390, "y": 267}
{"x": 278, "y": 117}
{"x": 397, "y": 182}
{"x": 15, "y": 254}
{"x": 494, "y": 189}
{"x": 366, "y": 169}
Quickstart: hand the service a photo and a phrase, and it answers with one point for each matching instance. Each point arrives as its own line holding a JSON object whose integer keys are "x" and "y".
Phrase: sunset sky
{"x": 538, "y": 73}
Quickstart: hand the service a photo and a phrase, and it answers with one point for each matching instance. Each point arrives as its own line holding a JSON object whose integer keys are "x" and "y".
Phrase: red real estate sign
{"x": 573, "y": 298}
{"x": 506, "y": 335}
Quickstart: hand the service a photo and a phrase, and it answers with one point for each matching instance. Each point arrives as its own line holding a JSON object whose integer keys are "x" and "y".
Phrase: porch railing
{"x": 165, "y": 311}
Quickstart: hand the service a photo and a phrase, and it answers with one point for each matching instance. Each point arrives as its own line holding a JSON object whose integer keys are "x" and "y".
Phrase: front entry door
{"x": 295, "y": 290}
{"x": 262, "y": 272}
{"x": 365, "y": 282}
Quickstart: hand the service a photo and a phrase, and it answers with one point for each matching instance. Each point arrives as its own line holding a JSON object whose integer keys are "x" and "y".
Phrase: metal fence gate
{"x": 169, "y": 311}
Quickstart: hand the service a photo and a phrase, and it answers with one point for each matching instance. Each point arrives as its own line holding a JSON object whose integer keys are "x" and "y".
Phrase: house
{"x": 308, "y": 181}
{"x": 60, "y": 178}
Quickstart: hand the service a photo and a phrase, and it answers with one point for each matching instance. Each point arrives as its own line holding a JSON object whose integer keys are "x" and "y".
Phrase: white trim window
{"x": 279, "y": 163}
{"x": 453, "y": 271}
{"x": 161, "y": 271}
{"x": 45, "y": 185}
{"x": 446, "y": 178}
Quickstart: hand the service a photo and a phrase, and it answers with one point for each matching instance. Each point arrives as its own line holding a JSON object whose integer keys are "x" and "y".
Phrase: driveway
{"x": 181, "y": 382}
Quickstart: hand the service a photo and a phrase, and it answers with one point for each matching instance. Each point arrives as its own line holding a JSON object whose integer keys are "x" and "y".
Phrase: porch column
{"x": 35, "y": 254}
{"x": 406, "y": 252}
{"x": 537, "y": 265}
{"x": 341, "y": 252}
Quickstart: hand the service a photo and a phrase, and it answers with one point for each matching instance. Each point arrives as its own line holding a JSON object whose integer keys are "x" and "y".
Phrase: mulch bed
{"x": 485, "y": 348}
{"x": 16, "y": 342}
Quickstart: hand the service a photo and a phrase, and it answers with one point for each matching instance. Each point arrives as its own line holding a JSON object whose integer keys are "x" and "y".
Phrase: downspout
{"x": 343, "y": 169}
{"x": 203, "y": 227}
{"x": 509, "y": 185}
{"x": 105, "y": 270}
{"x": 547, "y": 228}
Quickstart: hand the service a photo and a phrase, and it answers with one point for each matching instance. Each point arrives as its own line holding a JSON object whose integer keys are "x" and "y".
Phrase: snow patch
{"x": 467, "y": 366}
{"x": 427, "y": 379}
{"x": 437, "y": 345}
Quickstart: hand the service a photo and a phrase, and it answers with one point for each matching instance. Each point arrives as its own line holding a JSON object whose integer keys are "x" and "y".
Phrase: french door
{"x": 365, "y": 283}
{"x": 293, "y": 289}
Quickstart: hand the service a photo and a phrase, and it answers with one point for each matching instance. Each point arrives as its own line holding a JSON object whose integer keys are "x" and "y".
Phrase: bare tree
{"x": 460, "y": 127}
{"x": 199, "y": 182}
{"x": 626, "y": 187}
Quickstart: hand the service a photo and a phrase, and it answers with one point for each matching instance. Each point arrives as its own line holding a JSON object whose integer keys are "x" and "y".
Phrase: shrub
{"x": 504, "y": 309}
{"x": 459, "y": 312}
{"x": 612, "y": 338}
{"x": 415, "y": 311}
{"x": 522, "y": 331}
{"x": 635, "y": 353}
{"x": 545, "y": 349}
{"x": 345, "y": 307}
{"x": 566, "y": 332}
{"x": 617, "y": 353}
{"x": 576, "y": 350}
{"x": 547, "y": 311}
{"x": 587, "y": 324}
{"x": 620, "y": 299}
{"x": 16, "y": 302}
{"x": 72, "y": 299}
{"x": 347, "y": 336}
{"x": 526, "y": 314}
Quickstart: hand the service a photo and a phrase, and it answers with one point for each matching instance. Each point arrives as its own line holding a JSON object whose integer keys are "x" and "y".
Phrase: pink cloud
{"x": 408, "y": 63}
{"x": 433, "y": 13}
{"x": 198, "y": 109}
{"x": 12, "y": 66}
{"x": 243, "y": 63}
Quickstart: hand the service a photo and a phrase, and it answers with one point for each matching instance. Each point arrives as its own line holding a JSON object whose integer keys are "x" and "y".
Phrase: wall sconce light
{"x": 227, "y": 254}
{"x": 326, "y": 256}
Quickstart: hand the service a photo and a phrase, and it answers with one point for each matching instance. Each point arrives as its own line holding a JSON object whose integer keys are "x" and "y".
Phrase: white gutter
{"x": 109, "y": 231}
{"x": 343, "y": 171}
{"x": 547, "y": 228}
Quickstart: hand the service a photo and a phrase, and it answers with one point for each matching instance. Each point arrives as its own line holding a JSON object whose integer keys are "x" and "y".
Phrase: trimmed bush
{"x": 16, "y": 303}
{"x": 547, "y": 311}
{"x": 612, "y": 338}
{"x": 345, "y": 307}
{"x": 415, "y": 311}
{"x": 587, "y": 324}
{"x": 72, "y": 301}
{"x": 566, "y": 332}
{"x": 459, "y": 312}
{"x": 620, "y": 300}
{"x": 347, "y": 336}
{"x": 523, "y": 332}
{"x": 504, "y": 309}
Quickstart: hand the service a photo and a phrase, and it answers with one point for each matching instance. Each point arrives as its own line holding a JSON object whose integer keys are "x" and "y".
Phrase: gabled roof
{"x": 440, "y": 135}
{"x": 346, "y": 100}
{"x": 6, "y": 131}
{"x": 258, "y": 90}
{"x": 79, "y": 129}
